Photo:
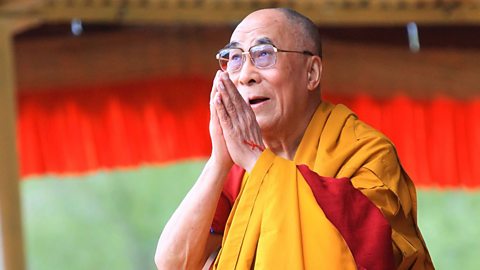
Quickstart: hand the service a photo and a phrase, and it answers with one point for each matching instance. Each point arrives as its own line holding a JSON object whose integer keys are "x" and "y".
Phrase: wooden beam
{"x": 325, "y": 16}
{"x": 392, "y": 17}
{"x": 9, "y": 8}
{"x": 11, "y": 245}
{"x": 62, "y": 13}
{"x": 227, "y": 12}
{"x": 20, "y": 15}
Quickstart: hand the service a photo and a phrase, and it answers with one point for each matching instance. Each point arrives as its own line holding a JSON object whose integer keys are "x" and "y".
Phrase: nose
{"x": 248, "y": 73}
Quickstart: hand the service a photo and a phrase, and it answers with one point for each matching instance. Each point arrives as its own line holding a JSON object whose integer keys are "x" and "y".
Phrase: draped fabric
{"x": 344, "y": 161}
{"x": 86, "y": 128}
{"x": 276, "y": 223}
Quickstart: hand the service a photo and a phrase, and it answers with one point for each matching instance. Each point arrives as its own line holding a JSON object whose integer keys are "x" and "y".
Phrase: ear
{"x": 314, "y": 74}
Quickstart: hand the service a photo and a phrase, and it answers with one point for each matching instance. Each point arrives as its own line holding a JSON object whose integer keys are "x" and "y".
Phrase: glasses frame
{"x": 244, "y": 53}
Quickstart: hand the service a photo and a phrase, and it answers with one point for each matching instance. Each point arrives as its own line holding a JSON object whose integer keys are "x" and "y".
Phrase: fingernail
{"x": 224, "y": 75}
{"x": 220, "y": 84}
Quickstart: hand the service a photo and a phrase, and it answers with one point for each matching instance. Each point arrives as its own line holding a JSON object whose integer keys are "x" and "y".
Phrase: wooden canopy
{"x": 323, "y": 12}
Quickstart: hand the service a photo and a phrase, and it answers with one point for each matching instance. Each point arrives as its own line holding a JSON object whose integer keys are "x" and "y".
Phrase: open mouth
{"x": 258, "y": 100}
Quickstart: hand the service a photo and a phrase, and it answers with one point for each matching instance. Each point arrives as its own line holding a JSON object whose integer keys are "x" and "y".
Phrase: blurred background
{"x": 104, "y": 116}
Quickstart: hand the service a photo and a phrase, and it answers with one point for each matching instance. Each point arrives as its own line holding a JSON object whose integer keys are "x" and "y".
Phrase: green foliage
{"x": 449, "y": 222}
{"x": 112, "y": 220}
{"x": 107, "y": 220}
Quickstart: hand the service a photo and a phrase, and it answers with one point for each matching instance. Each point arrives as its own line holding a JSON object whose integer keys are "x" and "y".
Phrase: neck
{"x": 285, "y": 144}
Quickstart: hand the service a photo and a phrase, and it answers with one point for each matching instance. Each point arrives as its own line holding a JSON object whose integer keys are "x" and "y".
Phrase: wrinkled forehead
{"x": 259, "y": 27}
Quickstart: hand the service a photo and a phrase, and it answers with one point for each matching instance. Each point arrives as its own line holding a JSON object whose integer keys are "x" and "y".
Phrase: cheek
{"x": 280, "y": 78}
{"x": 285, "y": 85}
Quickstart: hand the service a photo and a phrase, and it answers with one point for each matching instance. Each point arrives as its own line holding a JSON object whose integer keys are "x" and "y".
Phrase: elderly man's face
{"x": 276, "y": 94}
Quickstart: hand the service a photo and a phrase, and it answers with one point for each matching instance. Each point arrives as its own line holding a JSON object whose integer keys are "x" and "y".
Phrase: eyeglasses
{"x": 262, "y": 56}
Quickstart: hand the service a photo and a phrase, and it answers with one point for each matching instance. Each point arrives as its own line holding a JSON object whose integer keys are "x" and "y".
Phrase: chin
{"x": 266, "y": 125}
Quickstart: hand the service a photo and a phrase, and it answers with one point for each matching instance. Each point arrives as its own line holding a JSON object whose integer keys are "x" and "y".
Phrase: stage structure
{"x": 324, "y": 12}
{"x": 20, "y": 15}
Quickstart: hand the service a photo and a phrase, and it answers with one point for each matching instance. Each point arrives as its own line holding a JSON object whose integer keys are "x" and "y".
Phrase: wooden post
{"x": 11, "y": 240}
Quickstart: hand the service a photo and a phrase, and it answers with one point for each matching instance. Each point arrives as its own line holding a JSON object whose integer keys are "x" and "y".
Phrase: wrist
{"x": 219, "y": 165}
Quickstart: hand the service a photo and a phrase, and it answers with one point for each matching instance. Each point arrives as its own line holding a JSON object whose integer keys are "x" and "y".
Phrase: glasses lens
{"x": 263, "y": 56}
{"x": 230, "y": 59}
{"x": 235, "y": 59}
{"x": 222, "y": 57}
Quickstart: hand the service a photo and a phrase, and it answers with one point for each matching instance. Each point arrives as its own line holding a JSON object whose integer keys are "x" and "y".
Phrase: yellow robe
{"x": 276, "y": 223}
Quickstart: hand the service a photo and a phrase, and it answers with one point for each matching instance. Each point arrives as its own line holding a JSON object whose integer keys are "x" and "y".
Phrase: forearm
{"x": 184, "y": 238}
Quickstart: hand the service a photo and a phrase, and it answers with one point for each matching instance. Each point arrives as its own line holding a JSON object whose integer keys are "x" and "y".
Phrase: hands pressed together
{"x": 235, "y": 133}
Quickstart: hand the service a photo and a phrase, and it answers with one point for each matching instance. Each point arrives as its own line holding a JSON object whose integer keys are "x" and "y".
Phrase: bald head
{"x": 302, "y": 29}
{"x": 306, "y": 27}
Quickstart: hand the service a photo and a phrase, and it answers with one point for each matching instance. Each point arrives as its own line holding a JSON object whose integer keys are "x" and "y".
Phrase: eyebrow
{"x": 233, "y": 44}
{"x": 262, "y": 40}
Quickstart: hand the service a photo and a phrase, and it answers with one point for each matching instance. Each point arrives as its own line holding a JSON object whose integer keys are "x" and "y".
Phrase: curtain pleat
{"x": 81, "y": 129}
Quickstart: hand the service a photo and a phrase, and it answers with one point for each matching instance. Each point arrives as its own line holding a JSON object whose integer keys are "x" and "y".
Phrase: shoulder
{"x": 362, "y": 145}
{"x": 356, "y": 133}
{"x": 358, "y": 129}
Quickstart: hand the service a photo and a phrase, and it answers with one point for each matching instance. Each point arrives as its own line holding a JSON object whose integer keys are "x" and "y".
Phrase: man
{"x": 311, "y": 186}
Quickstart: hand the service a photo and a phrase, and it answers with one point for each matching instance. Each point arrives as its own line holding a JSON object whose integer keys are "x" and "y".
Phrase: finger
{"x": 229, "y": 105}
{"x": 232, "y": 90}
{"x": 223, "y": 116}
{"x": 232, "y": 100}
{"x": 238, "y": 109}
{"x": 213, "y": 92}
{"x": 215, "y": 121}
{"x": 213, "y": 111}
{"x": 231, "y": 93}
{"x": 214, "y": 85}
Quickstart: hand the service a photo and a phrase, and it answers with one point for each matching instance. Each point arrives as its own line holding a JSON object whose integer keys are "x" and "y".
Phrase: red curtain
{"x": 113, "y": 126}
{"x": 166, "y": 120}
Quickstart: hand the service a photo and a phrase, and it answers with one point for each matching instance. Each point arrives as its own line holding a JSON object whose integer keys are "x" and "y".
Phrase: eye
{"x": 235, "y": 56}
{"x": 263, "y": 52}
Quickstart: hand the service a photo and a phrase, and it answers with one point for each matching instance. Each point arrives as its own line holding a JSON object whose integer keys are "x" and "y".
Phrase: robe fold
{"x": 344, "y": 202}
